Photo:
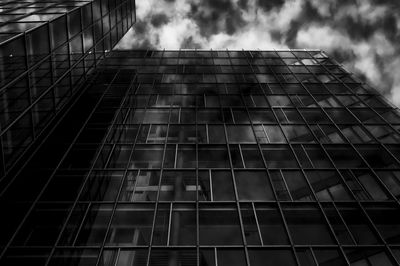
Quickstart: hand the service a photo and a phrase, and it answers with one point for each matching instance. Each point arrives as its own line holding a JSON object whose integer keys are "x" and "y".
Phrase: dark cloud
{"x": 217, "y": 16}
{"x": 267, "y": 5}
{"x": 363, "y": 35}
{"x": 190, "y": 43}
{"x": 160, "y": 19}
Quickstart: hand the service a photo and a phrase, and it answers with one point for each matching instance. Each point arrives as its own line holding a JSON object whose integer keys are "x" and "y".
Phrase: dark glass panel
{"x": 222, "y": 186}
{"x": 212, "y": 156}
{"x": 94, "y": 225}
{"x": 307, "y": 226}
{"x": 329, "y": 257}
{"x": 74, "y": 257}
{"x": 298, "y": 187}
{"x": 253, "y": 185}
{"x": 271, "y": 257}
{"x": 219, "y": 225}
{"x": 272, "y": 228}
{"x": 369, "y": 256}
{"x": 328, "y": 185}
{"x": 184, "y": 257}
{"x": 136, "y": 257}
{"x": 231, "y": 257}
{"x": 279, "y": 156}
{"x": 240, "y": 134}
{"x": 358, "y": 225}
{"x": 161, "y": 225}
{"x": 25, "y": 256}
{"x": 12, "y": 59}
{"x": 387, "y": 220}
{"x": 131, "y": 225}
{"x": 146, "y": 156}
{"x": 38, "y": 44}
{"x": 43, "y": 225}
{"x": 183, "y": 225}
{"x": 178, "y": 186}
{"x": 250, "y": 226}
{"x": 140, "y": 186}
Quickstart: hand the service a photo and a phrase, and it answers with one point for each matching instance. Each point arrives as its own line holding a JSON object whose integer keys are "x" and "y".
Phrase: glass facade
{"x": 218, "y": 158}
{"x": 47, "y": 48}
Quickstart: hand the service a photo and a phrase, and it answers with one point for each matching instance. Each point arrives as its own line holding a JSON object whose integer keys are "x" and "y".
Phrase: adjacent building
{"x": 47, "y": 49}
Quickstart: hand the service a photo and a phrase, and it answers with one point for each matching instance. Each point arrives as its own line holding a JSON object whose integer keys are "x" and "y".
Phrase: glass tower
{"x": 211, "y": 158}
{"x": 47, "y": 49}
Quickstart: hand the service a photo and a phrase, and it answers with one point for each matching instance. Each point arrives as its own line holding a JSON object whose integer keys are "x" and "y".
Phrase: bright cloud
{"x": 362, "y": 34}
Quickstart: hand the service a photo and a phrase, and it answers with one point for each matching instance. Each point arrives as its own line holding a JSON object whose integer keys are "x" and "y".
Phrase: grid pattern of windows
{"x": 47, "y": 48}
{"x": 218, "y": 158}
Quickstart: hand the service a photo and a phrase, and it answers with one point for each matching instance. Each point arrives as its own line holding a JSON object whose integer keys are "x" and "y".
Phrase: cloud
{"x": 363, "y": 35}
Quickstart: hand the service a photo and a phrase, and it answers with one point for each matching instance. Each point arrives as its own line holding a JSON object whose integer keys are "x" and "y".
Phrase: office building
{"x": 221, "y": 158}
{"x": 47, "y": 49}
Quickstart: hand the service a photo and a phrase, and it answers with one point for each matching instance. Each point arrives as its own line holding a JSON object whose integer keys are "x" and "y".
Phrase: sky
{"x": 363, "y": 35}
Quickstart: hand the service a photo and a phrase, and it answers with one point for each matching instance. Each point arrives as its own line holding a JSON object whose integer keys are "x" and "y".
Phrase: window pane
{"x": 219, "y": 225}
{"x": 183, "y": 225}
{"x": 178, "y": 185}
{"x": 251, "y": 156}
{"x": 387, "y": 221}
{"x": 328, "y": 185}
{"x": 213, "y": 156}
{"x": 274, "y": 257}
{"x": 131, "y": 225}
{"x": 249, "y": 224}
{"x": 279, "y": 156}
{"x": 222, "y": 185}
{"x": 140, "y": 186}
{"x": 172, "y": 257}
{"x": 253, "y": 185}
{"x": 271, "y": 225}
{"x": 240, "y": 134}
{"x": 358, "y": 225}
{"x": 297, "y": 185}
{"x": 307, "y": 226}
{"x": 231, "y": 257}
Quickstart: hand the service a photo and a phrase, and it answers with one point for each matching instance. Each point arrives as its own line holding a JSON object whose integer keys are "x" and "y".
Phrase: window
{"x": 231, "y": 257}
{"x": 140, "y": 186}
{"x": 250, "y": 224}
{"x": 271, "y": 225}
{"x": 240, "y": 134}
{"x": 131, "y": 225}
{"x": 269, "y": 134}
{"x": 253, "y": 185}
{"x": 146, "y": 156}
{"x": 298, "y": 187}
{"x": 307, "y": 226}
{"x": 279, "y": 156}
{"x": 213, "y": 156}
{"x": 328, "y": 185}
{"x": 178, "y": 186}
{"x": 219, "y": 225}
{"x": 339, "y": 227}
{"x": 344, "y": 156}
{"x": 222, "y": 186}
{"x": 358, "y": 225}
{"x": 271, "y": 257}
{"x": 369, "y": 256}
{"x": 297, "y": 133}
{"x": 251, "y": 156}
{"x": 183, "y": 225}
{"x": 264, "y": 116}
